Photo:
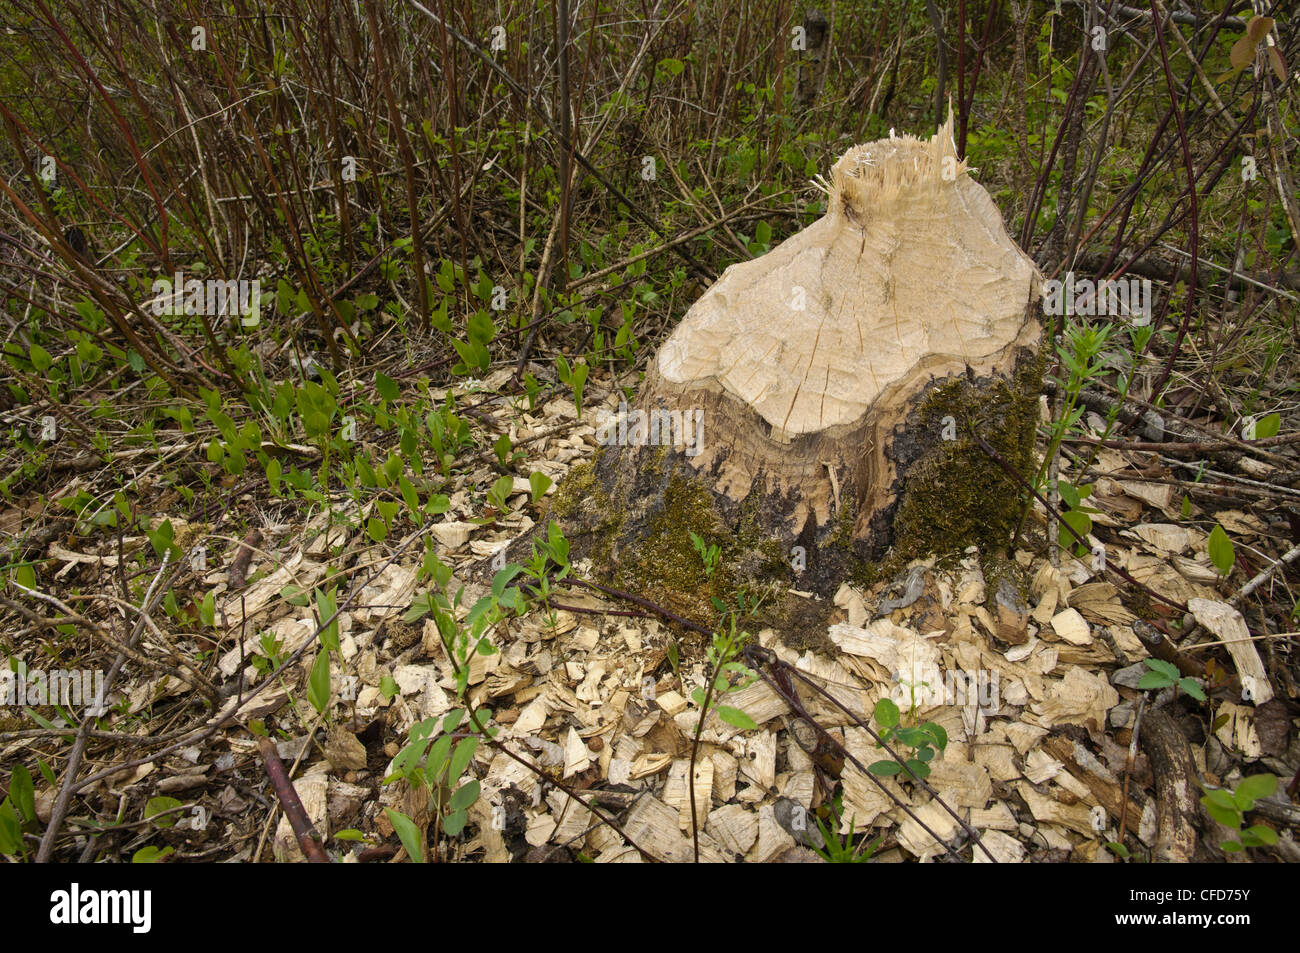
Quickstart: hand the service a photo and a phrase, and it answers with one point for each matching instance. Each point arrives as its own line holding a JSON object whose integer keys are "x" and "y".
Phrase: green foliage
{"x": 538, "y": 484}
{"x": 408, "y": 833}
{"x": 709, "y": 555}
{"x": 1221, "y": 550}
{"x": 1229, "y": 808}
{"x": 162, "y": 811}
{"x": 925, "y": 740}
{"x": 1165, "y": 675}
{"x": 846, "y": 850}
{"x": 575, "y": 377}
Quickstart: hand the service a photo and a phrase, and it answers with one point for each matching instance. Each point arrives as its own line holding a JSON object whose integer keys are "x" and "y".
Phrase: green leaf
{"x": 158, "y": 805}
{"x": 318, "y": 683}
{"x": 1251, "y": 789}
{"x": 1192, "y": 687}
{"x": 40, "y": 359}
{"x": 1268, "y": 426}
{"x": 461, "y": 758}
{"x": 388, "y": 686}
{"x": 1232, "y": 846}
{"x": 538, "y": 483}
{"x": 438, "y": 755}
{"x": 454, "y": 823}
{"x": 23, "y": 793}
{"x": 919, "y": 768}
{"x": 1068, "y": 494}
{"x": 1221, "y": 550}
{"x": 11, "y": 831}
{"x": 408, "y": 833}
{"x": 1227, "y": 816}
{"x": 387, "y": 387}
{"x": 1168, "y": 669}
{"x": 886, "y": 713}
{"x": 502, "y": 448}
{"x": 273, "y": 467}
{"x": 736, "y": 718}
{"x": 499, "y": 495}
{"x": 465, "y": 795}
{"x": 937, "y": 732}
{"x": 885, "y": 768}
{"x": 1258, "y": 835}
{"x": 150, "y": 854}
{"x": 325, "y": 608}
{"x": 350, "y": 834}
{"x": 503, "y": 577}
{"x": 1078, "y": 521}
{"x": 913, "y": 737}
{"x": 1153, "y": 680}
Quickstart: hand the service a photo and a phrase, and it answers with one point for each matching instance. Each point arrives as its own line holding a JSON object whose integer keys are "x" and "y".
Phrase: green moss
{"x": 665, "y": 568}
{"x": 580, "y": 500}
{"x": 801, "y": 623}
{"x": 578, "y": 484}
{"x": 956, "y": 495}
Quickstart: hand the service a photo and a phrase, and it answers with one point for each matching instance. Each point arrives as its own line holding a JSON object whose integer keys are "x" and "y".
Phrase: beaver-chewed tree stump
{"x": 815, "y": 410}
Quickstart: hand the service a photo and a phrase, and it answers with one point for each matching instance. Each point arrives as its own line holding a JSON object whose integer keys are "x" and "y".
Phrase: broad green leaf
{"x": 539, "y": 483}
{"x": 11, "y": 831}
{"x": 1258, "y": 835}
{"x": 918, "y": 768}
{"x": 938, "y": 732}
{"x": 461, "y": 758}
{"x": 1168, "y": 669}
{"x": 150, "y": 854}
{"x": 1228, "y": 817}
{"x": 465, "y": 795}
{"x": 318, "y": 683}
{"x": 387, "y": 387}
{"x": 23, "y": 793}
{"x": 408, "y": 833}
{"x": 1251, "y": 789}
{"x": 454, "y": 823}
{"x": 158, "y": 805}
{"x": 1078, "y": 521}
{"x": 40, "y": 358}
{"x": 1221, "y": 550}
{"x": 736, "y": 718}
{"x": 1268, "y": 426}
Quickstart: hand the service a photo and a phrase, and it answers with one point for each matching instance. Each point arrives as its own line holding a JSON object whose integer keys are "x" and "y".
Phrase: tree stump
{"x": 814, "y": 412}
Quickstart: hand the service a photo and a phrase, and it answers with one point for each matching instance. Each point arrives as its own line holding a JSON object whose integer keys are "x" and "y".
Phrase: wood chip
{"x": 1227, "y": 623}
{"x": 1072, "y": 627}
